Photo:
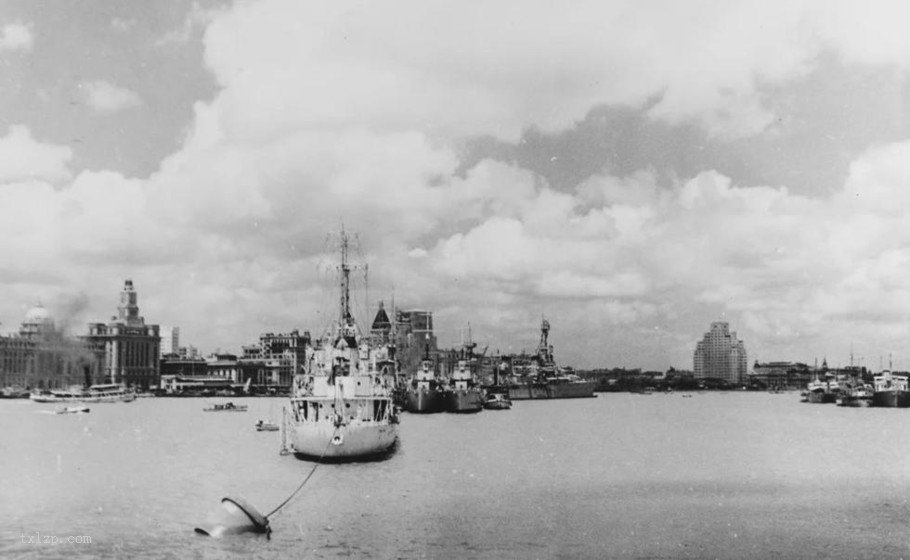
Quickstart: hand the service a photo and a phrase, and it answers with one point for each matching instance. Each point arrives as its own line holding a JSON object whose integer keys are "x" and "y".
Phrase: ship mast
{"x": 346, "y": 318}
{"x": 543, "y": 349}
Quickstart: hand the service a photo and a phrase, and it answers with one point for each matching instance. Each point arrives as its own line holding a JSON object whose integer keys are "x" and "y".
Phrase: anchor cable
{"x": 308, "y": 476}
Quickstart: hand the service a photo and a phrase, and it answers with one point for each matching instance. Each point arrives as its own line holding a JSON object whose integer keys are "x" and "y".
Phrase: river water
{"x": 725, "y": 475}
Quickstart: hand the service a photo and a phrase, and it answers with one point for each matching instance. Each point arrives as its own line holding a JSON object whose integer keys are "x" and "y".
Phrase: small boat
{"x": 497, "y": 401}
{"x": 72, "y": 409}
{"x": 266, "y": 426}
{"x": 226, "y": 407}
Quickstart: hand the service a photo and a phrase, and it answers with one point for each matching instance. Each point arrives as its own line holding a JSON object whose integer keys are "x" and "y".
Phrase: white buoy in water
{"x": 234, "y": 517}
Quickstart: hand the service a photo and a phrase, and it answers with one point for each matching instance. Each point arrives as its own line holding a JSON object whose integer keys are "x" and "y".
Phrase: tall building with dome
{"x": 127, "y": 348}
{"x": 720, "y": 355}
{"x": 40, "y": 356}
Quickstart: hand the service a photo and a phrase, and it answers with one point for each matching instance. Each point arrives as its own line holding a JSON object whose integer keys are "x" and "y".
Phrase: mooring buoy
{"x": 234, "y": 517}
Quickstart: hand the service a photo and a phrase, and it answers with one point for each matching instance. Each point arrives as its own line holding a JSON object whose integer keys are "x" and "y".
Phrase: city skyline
{"x": 633, "y": 172}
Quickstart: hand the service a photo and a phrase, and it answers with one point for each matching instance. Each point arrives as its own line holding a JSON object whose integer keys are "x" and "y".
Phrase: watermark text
{"x": 38, "y": 538}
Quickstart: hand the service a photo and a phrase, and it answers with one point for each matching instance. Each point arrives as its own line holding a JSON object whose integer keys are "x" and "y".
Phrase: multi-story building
{"x": 170, "y": 340}
{"x": 381, "y": 329}
{"x": 414, "y": 338}
{"x": 720, "y": 355}
{"x": 225, "y": 366}
{"x": 275, "y": 360}
{"x": 40, "y": 356}
{"x": 128, "y": 348}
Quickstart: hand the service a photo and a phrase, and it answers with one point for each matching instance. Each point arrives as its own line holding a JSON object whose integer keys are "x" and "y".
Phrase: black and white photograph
{"x": 426, "y": 279}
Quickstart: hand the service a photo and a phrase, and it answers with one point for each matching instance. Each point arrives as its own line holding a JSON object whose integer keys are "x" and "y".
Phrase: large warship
{"x": 538, "y": 377}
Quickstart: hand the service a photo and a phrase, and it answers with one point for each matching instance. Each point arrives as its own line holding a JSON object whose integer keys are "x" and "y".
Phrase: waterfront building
{"x": 170, "y": 340}
{"x": 223, "y": 366}
{"x": 414, "y": 338}
{"x": 720, "y": 355}
{"x": 273, "y": 362}
{"x": 128, "y": 348}
{"x": 780, "y": 375}
{"x": 381, "y": 329}
{"x": 182, "y": 365}
{"x": 40, "y": 356}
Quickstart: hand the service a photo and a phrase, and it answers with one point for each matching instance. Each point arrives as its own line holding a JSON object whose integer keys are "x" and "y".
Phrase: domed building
{"x": 41, "y": 357}
{"x": 37, "y": 322}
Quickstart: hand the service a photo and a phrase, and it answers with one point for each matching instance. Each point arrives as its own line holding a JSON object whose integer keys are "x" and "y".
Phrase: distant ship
{"x": 341, "y": 408}
{"x": 226, "y": 407}
{"x": 14, "y": 393}
{"x": 822, "y": 392}
{"x": 464, "y": 394}
{"x": 497, "y": 401}
{"x": 890, "y": 391}
{"x": 108, "y": 393}
{"x": 496, "y": 396}
{"x": 858, "y": 396}
{"x": 540, "y": 378}
{"x": 425, "y": 394}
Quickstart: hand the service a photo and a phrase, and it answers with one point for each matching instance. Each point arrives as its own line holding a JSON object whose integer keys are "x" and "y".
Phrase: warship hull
{"x": 352, "y": 441}
{"x": 569, "y": 390}
{"x": 464, "y": 401}
{"x": 424, "y": 401}
{"x": 821, "y": 398}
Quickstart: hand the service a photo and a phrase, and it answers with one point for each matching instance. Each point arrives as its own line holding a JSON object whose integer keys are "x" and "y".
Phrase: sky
{"x": 632, "y": 171}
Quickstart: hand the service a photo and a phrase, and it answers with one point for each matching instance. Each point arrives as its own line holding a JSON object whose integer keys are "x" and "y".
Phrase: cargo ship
{"x": 540, "y": 378}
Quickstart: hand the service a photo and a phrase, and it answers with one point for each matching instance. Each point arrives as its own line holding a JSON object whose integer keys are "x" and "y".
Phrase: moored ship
{"x": 464, "y": 394}
{"x": 424, "y": 393}
{"x": 822, "y": 392}
{"x": 856, "y": 397}
{"x": 890, "y": 391}
{"x": 108, "y": 393}
{"x": 497, "y": 401}
{"x": 540, "y": 378}
{"x": 341, "y": 406}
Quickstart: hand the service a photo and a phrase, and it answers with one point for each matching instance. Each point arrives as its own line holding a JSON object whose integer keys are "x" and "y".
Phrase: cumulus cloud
{"x": 443, "y": 69}
{"x": 197, "y": 17}
{"x": 16, "y": 36}
{"x": 22, "y": 158}
{"x": 106, "y": 98}
{"x": 333, "y": 112}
